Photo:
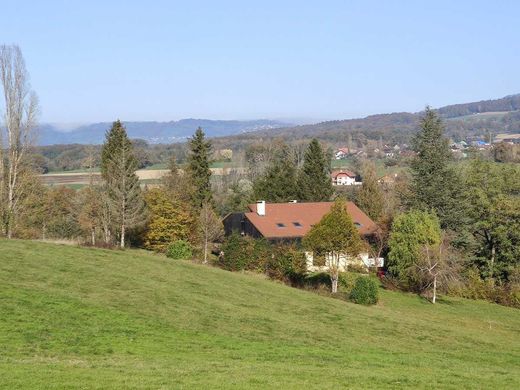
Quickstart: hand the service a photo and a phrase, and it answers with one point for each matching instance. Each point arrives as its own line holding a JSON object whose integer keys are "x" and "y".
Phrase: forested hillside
{"x": 465, "y": 120}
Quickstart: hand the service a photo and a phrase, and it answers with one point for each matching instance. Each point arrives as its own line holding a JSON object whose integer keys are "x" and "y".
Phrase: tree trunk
{"x": 334, "y": 284}
{"x": 492, "y": 261}
{"x": 123, "y": 236}
{"x": 205, "y": 251}
{"x": 93, "y": 236}
{"x": 434, "y": 298}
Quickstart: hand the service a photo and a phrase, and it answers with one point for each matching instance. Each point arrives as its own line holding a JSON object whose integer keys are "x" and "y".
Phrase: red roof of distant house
{"x": 293, "y": 220}
{"x": 343, "y": 172}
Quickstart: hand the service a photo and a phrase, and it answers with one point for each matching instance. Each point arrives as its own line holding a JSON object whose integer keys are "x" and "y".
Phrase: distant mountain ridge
{"x": 153, "y": 132}
{"x": 461, "y": 120}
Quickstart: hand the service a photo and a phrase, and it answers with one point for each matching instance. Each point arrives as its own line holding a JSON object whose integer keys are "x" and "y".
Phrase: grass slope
{"x": 88, "y": 318}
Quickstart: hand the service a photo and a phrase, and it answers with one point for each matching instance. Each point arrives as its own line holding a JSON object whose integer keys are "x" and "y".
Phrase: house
{"x": 290, "y": 222}
{"x": 342, "y": 153}
{"x": 345, "y": 178}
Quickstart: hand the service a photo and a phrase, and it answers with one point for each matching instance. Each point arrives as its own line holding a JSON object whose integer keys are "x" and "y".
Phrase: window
{"x": 280, "y": 225}
{"x": 297, "y": 224}
{"x": 357, "y": 224}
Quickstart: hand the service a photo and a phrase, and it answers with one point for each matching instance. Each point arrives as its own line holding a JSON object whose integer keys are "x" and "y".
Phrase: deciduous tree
{"x": 411, "y": 232}
{"x": 210, "y": 228}
{"x": 334, "y": 236}
{"x": 21, "y": 107}
{"x": 370, "y": 196}
{"x": 169, "y": 220}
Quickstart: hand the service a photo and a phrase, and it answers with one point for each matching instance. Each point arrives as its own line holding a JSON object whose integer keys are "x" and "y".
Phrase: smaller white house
{"x": 323, "y": 265}
{"x": 344, "y": 178}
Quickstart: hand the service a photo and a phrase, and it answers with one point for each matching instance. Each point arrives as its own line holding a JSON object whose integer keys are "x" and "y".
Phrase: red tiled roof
{"x": 293, "y": 220}
{"x": 335, "y": 174}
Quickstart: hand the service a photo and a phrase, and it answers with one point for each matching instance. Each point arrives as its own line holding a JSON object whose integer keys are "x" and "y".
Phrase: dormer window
{"x": 297, "y": 224}
{"x": 280, "y": 225}
{"x": 357, "y": 224}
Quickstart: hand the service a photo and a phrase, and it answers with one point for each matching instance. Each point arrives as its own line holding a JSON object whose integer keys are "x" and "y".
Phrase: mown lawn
{"x": 88, "y": 318}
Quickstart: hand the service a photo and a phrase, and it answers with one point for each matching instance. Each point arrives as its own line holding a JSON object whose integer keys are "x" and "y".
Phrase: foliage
{"x": 278, "y": 183}
{"x": 282, "y": 262}
{"x": 435, "y": 184}
{"x": 169, "y": 220}
{"x": 334, "y": 235}
{"x": 411, "y": 231}
{"x": 365, "y": 291}
{"x": 61, "y": 218}
{"x": 314, "y": 182}
{"x": 493, "y": 192}
{"x": 370, "y": 196}
{"x": 198, "y": 168}
{"x": 179, "y": 250}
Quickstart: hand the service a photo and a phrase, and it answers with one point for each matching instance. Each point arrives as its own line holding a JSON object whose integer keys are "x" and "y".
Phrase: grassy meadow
{"x": 89, "y": 318}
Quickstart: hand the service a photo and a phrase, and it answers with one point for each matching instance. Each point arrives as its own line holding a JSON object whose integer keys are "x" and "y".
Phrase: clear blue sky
{"x": 161, "y": 60}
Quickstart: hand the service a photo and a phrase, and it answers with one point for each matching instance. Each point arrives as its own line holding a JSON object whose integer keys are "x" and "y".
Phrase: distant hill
{"x": 462, "y": 120}
{"x": 153, "y": 132}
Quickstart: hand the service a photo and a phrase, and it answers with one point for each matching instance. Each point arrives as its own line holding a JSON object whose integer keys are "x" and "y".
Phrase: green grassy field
{"x": 89, "y": 318}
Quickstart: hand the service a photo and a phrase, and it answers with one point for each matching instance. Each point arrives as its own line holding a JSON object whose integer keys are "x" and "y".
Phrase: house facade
{"x": 290, "y": 222}
{"x": 345, "y": 178}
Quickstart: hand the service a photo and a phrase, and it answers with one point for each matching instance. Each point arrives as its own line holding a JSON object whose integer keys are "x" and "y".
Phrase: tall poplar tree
{"x": 118, "y": 166}
{"x": 198, "y": 168}
{"x": 435, "y": 184}
{"x": 314, "y": 181}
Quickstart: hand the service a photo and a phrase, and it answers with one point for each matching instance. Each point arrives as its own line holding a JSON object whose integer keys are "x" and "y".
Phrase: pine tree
{"x": 370, "y": 196}
{"x": 278, "y": 183}
{"x": 118, "y": 166}
{"x": 435, "y": 185}
{"x": 314, "y": 182}
{"x": 198, "y": 168}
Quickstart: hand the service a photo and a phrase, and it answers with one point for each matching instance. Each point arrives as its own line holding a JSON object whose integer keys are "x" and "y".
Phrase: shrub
{"x": 365, "y": 291}
{"x": 286, "y": 263}
{"x": 179, "y": 250}
{"x": 236, "y": 253}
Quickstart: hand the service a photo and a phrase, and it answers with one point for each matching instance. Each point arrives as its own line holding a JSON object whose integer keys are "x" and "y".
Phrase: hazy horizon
{"x": 94, "y": 62}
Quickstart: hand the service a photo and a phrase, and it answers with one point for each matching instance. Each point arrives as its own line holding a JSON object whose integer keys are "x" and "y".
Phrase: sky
{"x": 306, "y": 61}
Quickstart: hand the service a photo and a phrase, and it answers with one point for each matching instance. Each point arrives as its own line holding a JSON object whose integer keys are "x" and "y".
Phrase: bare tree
{"x": 210, "y": 227}
{"x": 21, "y": 108}
{"x": 437, "y": 267}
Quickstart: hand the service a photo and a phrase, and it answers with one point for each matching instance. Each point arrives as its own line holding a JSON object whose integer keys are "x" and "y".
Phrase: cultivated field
{"x": 82, "y": 177}
{"x": 87, "y": 318}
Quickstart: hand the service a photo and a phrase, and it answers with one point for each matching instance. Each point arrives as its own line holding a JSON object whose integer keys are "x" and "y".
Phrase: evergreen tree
{"x": 198, "y": 168}
{"x": 435, "y": 184}
{"x": 278, "y": 183}
{"x": 314, "y": 182}
{"x": 370, "y": 196}
{"x": 118, "y": 166}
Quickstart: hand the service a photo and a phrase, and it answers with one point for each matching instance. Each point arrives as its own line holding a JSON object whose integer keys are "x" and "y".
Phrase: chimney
{"x": 260, "y": 207}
